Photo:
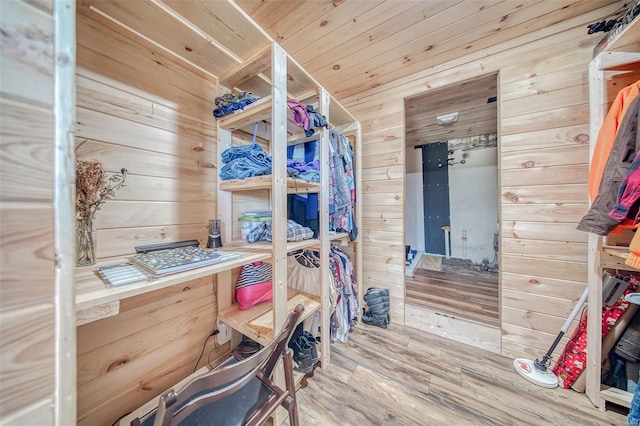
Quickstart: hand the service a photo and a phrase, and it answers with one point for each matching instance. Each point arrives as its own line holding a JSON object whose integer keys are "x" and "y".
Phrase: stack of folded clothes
{"x": 228, "y": 103}
{"x": 244, "y": 161}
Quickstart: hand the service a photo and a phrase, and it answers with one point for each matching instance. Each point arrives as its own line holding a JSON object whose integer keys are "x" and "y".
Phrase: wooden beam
{"x": 64, "y": 43}
{"x": 242, "y": 72}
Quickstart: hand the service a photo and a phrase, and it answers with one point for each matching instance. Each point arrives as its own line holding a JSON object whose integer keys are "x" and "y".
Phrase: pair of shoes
{"x": 380, "y": 321}
{"x": 305, "y": 353}
{"x": 377, "y": 300}
{"x": 246, "y": 348}
{"x": 312, "y": 342}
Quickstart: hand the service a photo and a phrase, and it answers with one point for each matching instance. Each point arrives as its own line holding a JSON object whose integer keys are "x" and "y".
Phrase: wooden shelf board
{"x": 338, "y": 115}
{"x": 257, "y": 321}
{"x": 257, "y": 111}
{"x": 266, "y": 246}
{"x": 612, "y": 261}
{"x": 618, "y": 251}
{"x": 627, "y": 37}
{"x": 619, "y": 61}
{"x": 614, "y": 257}
{"x": 294, "y": 186}
{"x": 338, "y": 236}
{"x": 615, "y": 395}
{"x": 92, "y": 292}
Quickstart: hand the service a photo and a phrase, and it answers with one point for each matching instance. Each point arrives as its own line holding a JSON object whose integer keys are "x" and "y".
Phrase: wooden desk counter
{"x": 94, "y": 300}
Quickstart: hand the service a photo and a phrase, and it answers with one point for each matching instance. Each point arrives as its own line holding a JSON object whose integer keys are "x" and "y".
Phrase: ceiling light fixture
{"x": 447, "y": 118}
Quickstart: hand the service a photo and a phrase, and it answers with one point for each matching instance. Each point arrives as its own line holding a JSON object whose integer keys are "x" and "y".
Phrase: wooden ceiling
{"x": 352, "y": 45}
{"x": 349, "y": 46}
{"x": 477, "y": 115}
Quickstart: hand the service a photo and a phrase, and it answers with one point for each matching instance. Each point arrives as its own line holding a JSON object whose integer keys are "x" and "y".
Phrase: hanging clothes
{"x": 342, "y": 185}
{"x": 304, "y": 275}
{"x": 607, "y": 135}
{"x": 346, "y": 303}
{"x": 626, "y": 207}
{"x": 623, "y": 152}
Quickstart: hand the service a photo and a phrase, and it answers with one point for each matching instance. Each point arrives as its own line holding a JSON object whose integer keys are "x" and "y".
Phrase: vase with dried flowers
{"x": 93, "y": 189}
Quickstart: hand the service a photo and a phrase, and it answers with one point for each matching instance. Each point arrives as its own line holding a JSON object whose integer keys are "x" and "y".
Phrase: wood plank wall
{"x": 27, "y": 317}
{"x": 146, "y": 111}
{"x": 543, "y": 126}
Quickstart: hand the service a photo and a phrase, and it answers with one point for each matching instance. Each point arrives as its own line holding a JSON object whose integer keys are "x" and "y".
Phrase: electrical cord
{"x": 204, "y": 345}
{"x": 214, "y": 329}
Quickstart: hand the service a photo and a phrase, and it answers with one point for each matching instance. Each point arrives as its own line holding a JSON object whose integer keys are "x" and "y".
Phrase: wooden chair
{"x": 238, "y": 392}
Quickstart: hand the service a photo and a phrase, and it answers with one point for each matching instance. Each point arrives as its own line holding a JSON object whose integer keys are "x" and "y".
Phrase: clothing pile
{"x": 303, "y": 208}
{"x": 295, "y": 232}
{"x": 244, "y": 161}
{"x": 306, "y": 171}
{"x": 307, "y": 117}
{"x": 228, "y": 103}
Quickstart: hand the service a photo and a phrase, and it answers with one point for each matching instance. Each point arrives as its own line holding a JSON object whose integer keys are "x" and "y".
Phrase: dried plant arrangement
{"x": 93, "y": 189}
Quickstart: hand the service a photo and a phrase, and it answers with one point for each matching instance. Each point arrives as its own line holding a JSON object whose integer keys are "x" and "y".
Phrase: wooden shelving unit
{"x": 602, "y": 254}
{"x": 288, "y": 81}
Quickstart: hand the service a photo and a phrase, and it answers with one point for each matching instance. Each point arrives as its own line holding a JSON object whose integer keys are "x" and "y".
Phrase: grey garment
{"x": 342, "y": 193}
{"x": 625, "y": 147}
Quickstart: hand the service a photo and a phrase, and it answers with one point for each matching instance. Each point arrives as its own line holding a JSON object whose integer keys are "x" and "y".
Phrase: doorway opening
{"x": 451, "y": 208}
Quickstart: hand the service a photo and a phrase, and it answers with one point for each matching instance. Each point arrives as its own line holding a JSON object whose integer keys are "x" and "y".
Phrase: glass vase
{"x": 85, "y": 242}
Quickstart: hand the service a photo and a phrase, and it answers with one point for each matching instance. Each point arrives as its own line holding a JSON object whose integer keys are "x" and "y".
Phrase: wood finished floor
{"x": 401, "y": 376}
{"x": 464, "y": 294}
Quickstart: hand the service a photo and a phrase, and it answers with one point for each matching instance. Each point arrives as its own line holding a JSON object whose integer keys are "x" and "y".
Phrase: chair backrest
{"x": 175, "y": 406}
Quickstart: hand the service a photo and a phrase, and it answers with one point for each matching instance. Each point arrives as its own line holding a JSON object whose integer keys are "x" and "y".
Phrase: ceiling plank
{"x": 338, "y": 16}
{"x": 381, "y": 17}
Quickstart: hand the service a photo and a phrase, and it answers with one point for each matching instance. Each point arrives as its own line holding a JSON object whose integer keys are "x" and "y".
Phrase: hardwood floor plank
{"x": 534, "y": 408}
{"x": 429, "y": 286}
{"x": 394, "y": 368}
{"x": 457, "y": 394}
{"x": 420, "y": 364}
{"x": 401, "y": 376}
{"x": 332, "y": 402}
{"x": 469, "y": 279}
{"x": 472, "y": 290}
{"x": 467, "y": 294}
{"x": 465, "y": 312}
{"x": 414, "y": 405}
